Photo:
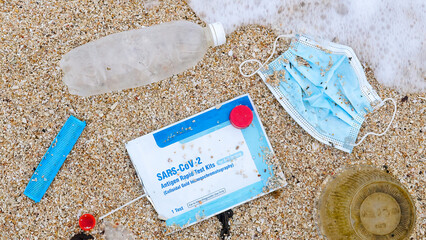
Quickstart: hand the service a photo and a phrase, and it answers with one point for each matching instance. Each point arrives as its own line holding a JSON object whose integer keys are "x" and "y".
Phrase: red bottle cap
{"x": 241, "y": 116}
{"x": 87, "y": 222}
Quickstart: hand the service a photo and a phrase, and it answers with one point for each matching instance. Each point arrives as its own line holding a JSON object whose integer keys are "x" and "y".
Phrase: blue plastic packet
{"x": 54, "y": 158}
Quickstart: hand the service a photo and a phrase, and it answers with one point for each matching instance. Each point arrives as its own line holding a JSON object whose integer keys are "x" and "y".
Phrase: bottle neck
{"x": 209, "y": 36}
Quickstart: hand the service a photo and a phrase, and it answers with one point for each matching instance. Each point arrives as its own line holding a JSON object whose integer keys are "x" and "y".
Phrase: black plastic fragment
{"x": 224, "y": 219}
{"x": 82, "y": 236}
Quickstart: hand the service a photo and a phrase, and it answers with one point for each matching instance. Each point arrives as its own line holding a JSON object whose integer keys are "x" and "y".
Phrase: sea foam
{"x": 388, "y": 35}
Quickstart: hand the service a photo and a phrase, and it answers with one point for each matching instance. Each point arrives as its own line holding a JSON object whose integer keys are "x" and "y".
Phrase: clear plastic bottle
{"x": 137, "y": 57}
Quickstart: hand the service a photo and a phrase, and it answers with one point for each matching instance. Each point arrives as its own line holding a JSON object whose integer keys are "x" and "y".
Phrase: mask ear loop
{"x": 267, "y": 60}
{"x": 383, "y": 133}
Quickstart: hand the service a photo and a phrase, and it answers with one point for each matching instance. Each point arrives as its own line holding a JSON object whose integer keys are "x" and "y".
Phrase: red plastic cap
{"x": 87, "y": 222}
{"x": 241, "y": 116}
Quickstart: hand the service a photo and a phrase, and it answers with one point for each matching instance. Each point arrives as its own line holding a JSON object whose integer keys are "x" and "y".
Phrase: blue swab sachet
{"x": 54, "y": 158}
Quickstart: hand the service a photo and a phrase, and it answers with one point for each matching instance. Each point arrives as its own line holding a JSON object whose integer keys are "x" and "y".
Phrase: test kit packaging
{"x": 204, "y": 165}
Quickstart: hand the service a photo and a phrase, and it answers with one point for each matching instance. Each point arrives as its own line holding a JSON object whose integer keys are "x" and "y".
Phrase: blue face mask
{"x": 323, "y": 87}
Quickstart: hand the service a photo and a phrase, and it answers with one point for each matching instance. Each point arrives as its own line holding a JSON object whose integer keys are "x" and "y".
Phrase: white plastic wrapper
{"x": 203, "y": 165}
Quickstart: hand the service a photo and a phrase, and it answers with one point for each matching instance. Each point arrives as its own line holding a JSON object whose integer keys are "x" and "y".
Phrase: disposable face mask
{"x": 323, "y": 87}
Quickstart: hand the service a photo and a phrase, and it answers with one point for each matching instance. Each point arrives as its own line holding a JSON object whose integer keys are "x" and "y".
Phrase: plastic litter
{"x": 54, "y": 158}
{"x": 138, "y": 57}
{"x": 204, "y": 165}
{"x": 118, "y": 232}
{"x": 323, "y": 87}
{"x": 363, "y": 202}
{"x": 115, "y": 210}
{"x": 241, "y": 117}
{"x": 82, "y": 236}
{"x": 87, "y": 222}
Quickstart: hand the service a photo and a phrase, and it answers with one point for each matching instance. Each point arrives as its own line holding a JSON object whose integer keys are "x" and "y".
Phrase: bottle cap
{"x": 241, "y": 116}
{"x": 87, "y": 222}
{"x": 218, "y": 33}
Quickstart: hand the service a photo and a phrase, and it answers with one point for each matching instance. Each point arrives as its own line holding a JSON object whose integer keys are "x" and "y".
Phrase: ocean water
{"x": 388, "y": 35}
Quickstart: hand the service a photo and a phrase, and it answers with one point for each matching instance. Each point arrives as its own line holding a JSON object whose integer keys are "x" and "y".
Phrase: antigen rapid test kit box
{"x": 204, "y": 165}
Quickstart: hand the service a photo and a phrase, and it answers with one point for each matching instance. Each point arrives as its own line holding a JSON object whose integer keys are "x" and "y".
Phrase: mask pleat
{"x": 309, "y": 99}
{"x": 316, "y": 96}
{"x": 334, "y": 90}
{"x": 347, "y": 81}
{"x": 288, "y": 85}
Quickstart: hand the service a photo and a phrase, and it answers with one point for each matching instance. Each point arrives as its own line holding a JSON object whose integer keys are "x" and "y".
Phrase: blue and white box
{"x": 203, "y": 165}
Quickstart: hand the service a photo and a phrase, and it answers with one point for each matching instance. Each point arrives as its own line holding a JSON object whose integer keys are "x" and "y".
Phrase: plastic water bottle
{"x": 138, "y": 57}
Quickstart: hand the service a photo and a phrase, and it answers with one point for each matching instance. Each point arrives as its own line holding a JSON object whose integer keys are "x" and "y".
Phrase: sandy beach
{"x": 98, "y": 175}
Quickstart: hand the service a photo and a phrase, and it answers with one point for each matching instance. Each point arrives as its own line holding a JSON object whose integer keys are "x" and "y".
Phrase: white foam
{"x": 387, "y": 34}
